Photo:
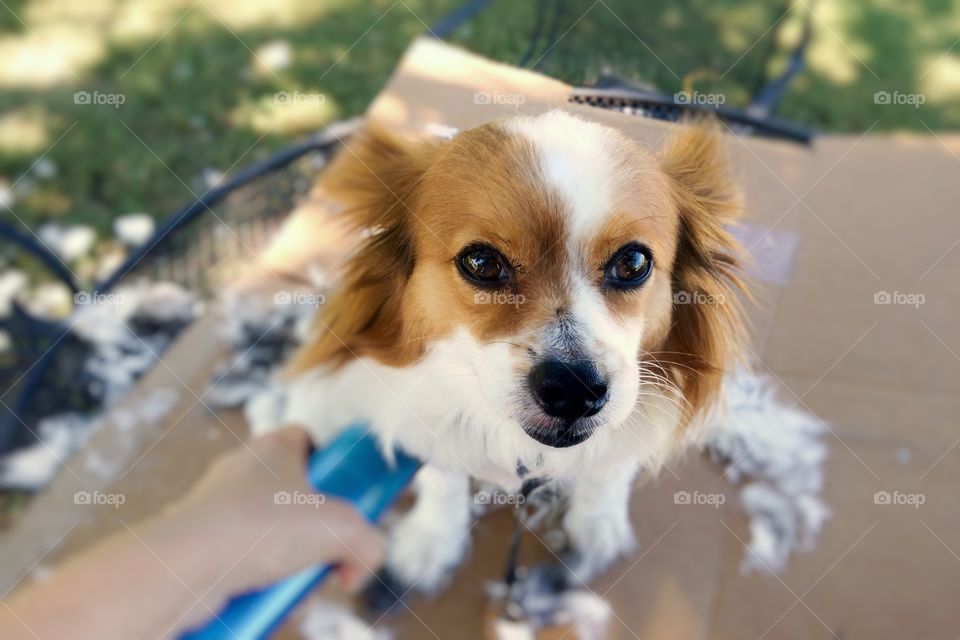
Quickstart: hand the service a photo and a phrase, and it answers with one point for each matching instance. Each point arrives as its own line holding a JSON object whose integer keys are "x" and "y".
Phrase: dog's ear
{"x": 375, "y": 176}
{"x": 707, "y": 331}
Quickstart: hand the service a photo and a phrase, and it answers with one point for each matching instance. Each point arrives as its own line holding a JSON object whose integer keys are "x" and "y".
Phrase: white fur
{"x": 600, "y": 530}
{"x": 577, "y": 160}
{"x": 433, "y": 537}
{"x": 326, "y": 620}
{"x": 776, "y": 451}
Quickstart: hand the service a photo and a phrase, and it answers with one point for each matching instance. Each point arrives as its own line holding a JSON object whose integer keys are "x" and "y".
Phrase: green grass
{"x": 193, "y": 98}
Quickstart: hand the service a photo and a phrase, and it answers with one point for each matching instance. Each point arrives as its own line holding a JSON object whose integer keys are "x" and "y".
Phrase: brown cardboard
{"x": 868, "y": 214}
{"x": 879, "y": 571}
{"x": 858, "y": 216}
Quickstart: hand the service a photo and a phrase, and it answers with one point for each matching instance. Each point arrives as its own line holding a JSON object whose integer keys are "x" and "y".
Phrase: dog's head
{"x": 571, "y": 273}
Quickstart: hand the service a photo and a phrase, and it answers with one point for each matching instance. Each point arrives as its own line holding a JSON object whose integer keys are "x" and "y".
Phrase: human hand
{"x": 254, "y": 517}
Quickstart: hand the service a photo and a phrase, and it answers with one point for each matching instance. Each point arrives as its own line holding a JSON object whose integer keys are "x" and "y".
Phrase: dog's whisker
{"x": 659, "y": 362}
{"x": 648, "y": 376}
{"x": 660, "y": 383}
{"x": 669, "y": 394}
{"x": 660, "y": 396}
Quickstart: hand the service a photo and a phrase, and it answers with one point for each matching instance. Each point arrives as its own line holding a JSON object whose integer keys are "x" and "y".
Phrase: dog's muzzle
{"x": 569, "y": 393}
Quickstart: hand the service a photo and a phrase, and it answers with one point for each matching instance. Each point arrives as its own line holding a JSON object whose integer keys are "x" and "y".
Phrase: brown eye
{"x": 483, "y": 265}
{"x": 629, "y": 267}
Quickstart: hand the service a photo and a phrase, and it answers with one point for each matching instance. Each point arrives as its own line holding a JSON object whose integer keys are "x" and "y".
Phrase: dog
{"x": 535, "y": 298}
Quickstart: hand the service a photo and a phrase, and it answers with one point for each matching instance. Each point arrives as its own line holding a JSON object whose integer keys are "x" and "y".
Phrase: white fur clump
{"x": 261, "y": 334}
{"x": 70, "y": 243}
{"x": 134, "y": 229}
{"x": 325, "y": 620}
{"x": 110, "y": 323}
{"x": 126, "y": 330}
{"x": 777, "y": 450}
{"x": 534, "y": 606}
{"x": 32, "y": 467}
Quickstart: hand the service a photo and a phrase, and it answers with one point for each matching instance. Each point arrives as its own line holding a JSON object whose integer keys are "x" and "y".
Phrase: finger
{"x": 353, "y": 576}
{"x": 291, "y": 436}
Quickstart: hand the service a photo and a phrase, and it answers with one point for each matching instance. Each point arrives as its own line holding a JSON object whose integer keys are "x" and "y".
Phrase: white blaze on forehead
{"x": 582, "y": 162}
{"x": 578, "y": 159}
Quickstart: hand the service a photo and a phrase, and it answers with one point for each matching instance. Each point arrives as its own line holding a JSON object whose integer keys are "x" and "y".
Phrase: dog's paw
{"x": 423, "y": 556}
{"x": 596, "y": 542}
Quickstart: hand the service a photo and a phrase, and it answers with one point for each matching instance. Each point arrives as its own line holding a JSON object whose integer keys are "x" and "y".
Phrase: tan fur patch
{"x": 706, "y": 334}
{"x": 481, "y": 187}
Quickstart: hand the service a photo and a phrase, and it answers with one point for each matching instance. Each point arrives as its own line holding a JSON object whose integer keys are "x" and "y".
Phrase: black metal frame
{"x": 323, "y": 141}
{"x": 651, "y": 101}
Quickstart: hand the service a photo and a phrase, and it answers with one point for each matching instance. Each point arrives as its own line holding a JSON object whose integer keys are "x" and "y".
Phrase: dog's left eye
{"x": 483, "y": 265}
{"x": 629, "y": 267}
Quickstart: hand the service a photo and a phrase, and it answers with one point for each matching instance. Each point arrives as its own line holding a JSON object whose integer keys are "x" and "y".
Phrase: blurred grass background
{"x": 198, "y": 77}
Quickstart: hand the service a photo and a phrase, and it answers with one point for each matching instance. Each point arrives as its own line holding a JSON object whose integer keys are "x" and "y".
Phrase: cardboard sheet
{"x": 856, "y": 242}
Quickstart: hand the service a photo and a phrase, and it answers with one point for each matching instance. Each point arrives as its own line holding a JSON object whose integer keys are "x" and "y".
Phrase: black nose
{"x": 568, "y": 390}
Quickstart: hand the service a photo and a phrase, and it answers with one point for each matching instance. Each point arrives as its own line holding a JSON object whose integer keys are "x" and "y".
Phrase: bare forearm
{"x": 140, "y": 583}
{"x": 228, "y": 535}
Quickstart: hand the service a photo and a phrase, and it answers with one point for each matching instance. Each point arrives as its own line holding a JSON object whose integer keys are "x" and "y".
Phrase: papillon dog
{"x": 535, "y": 298}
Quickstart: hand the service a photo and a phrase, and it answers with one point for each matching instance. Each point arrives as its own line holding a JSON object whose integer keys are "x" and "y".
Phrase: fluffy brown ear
{"x": 707, "y": 331}
{"x": 376, "y": 177}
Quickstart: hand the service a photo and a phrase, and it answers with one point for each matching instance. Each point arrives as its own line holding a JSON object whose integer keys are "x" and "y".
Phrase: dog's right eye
{"x": 483, "y": 265}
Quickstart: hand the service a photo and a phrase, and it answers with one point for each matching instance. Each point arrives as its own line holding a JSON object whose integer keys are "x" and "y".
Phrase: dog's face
{"x": 542, "y": 256}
